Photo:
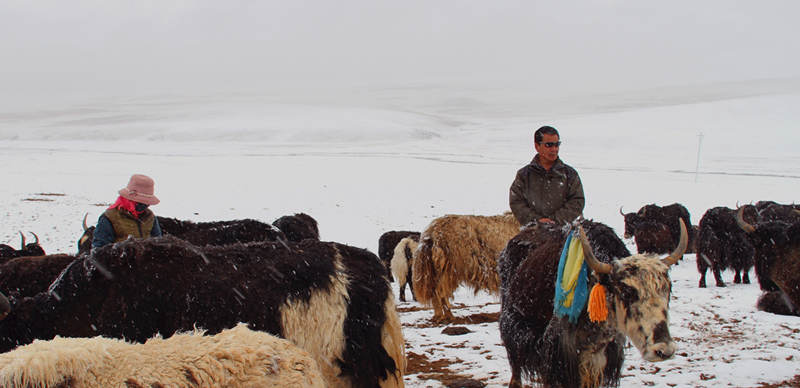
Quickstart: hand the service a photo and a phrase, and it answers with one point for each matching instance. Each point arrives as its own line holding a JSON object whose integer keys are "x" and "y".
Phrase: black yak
{"x": 297, "y": 227}
{"x": 330, "y": 299}
{"x": 29, "y": 249}
{"x": 203, "y": 233}
{"x": 721, "y": 244}
{"x": 29, "y": 275}
{"x": 777, "y": 250}
{"x": 655, "y": 228}
{"x": 560, "y": 353}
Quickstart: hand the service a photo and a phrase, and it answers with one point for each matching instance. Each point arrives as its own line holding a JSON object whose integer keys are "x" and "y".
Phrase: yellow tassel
{"x": 597, "y": 303}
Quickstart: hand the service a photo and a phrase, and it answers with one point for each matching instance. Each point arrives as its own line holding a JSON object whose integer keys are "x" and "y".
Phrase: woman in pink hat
{"x": 129, "y": 216}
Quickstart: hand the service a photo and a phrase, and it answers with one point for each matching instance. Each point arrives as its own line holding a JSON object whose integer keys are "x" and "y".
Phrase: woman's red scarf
{"x": 126, "y": 204}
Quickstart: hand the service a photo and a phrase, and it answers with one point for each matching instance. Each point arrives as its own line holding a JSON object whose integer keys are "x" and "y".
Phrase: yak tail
{"x": 394, "y": 344}
{"x": 424, "y": 272}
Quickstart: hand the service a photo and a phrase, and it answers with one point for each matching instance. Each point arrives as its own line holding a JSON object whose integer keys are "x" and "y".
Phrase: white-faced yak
{"x": 586, "y": 353}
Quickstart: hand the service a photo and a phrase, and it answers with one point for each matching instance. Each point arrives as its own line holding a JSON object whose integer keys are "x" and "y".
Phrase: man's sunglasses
{"x": 551, "y": 144}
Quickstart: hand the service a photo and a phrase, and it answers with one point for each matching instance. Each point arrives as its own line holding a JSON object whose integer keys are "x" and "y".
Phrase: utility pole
{"x": 699, "y": 146}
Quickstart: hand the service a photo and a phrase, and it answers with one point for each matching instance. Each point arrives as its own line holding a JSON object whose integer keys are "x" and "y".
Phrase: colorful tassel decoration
{"x": 598, "y": 312}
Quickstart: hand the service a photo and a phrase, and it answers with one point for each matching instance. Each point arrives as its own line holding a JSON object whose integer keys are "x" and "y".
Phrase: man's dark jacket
{"x": 538, "y": 193}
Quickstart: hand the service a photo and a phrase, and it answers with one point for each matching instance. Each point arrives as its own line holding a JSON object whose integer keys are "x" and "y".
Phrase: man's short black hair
{"x": 545, "y": 130}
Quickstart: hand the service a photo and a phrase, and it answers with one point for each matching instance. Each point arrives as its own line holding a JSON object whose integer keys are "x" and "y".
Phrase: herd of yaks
{"x": 493, "y": 253}
{"x": 472, "y": 244}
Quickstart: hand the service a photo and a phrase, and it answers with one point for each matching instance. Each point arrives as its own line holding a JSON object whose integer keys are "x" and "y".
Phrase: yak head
{"x": 638, "y": 291}
{"x": 768, "y": 236}
{"x": 777, "y": 246}
{"x": 29, "y": 249}
{"x": 631, "y": 221}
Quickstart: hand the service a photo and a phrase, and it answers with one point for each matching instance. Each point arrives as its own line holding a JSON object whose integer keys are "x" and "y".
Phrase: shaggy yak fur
{"x": 402, "y": 260}
{"x": 777, "y": 250}
{"x": 457, "y": 249}
{"x": 559, "y": 353}
{"x": 203, "y": 233}
{"x": 776, "y": 302}
{"x": 30, "y": 249}
{"x": 220, "y": 232}
{"x": 330, "y": 299}
{"x": 237, "y": 357}
{"x": 298, "y": 227}
{"x": 655, "y": 229}
{"x": 721, "y": 244}
{"x": 27, "y": 276}
{"x": 773, "y": 211}
{"x": 386, "y": 244}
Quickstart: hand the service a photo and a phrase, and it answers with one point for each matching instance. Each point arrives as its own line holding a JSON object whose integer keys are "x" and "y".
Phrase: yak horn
{"x": 85, "y": 228}
{"x": 797, "y": 212}
{"x": 5, "y": 306}
{"x": 22, "y": 242}
{"x": 620, "y": 212}
{"x": 683, "y": 242}
{"x": 589, "y": 256}
{"x": 37, "y": 238}
{"x": 742, "y": 223}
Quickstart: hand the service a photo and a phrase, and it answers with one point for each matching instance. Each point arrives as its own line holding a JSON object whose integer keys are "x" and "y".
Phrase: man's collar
{"x": 556, "y": 165}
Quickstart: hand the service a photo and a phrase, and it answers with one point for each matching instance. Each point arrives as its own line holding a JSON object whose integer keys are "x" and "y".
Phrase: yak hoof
{"x": 702, "y": 284}
{"x": 721, "y": 284}
{"x": 515, "y": 383}
{"x": 445, "y": 318}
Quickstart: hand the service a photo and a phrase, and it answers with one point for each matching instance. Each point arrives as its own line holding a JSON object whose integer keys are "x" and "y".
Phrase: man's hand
{"x": 547, "y": 221}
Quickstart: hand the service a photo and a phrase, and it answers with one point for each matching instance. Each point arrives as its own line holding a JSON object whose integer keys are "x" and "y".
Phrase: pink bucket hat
{"x": 140, "y": 189}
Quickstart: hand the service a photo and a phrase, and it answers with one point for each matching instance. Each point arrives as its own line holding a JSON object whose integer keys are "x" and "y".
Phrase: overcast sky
{"x": 52, "y": 47}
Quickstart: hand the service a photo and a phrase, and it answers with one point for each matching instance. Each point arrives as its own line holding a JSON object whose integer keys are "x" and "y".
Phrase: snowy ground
{"x": 722, "y": 340}
{"x": 396, "y": 160}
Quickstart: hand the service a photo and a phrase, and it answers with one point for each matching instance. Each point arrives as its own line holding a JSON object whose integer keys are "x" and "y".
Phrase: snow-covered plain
{"x": 368, "y": 161}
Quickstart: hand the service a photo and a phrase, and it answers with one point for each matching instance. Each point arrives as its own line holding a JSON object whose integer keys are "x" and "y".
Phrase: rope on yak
{"x": 571, "y": 289}
{"x": 598, "y": 312}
